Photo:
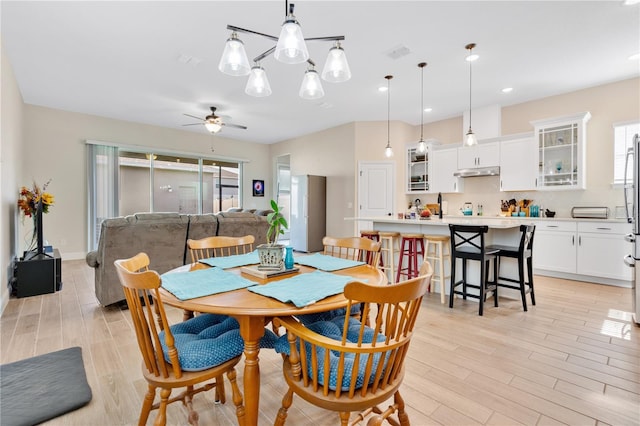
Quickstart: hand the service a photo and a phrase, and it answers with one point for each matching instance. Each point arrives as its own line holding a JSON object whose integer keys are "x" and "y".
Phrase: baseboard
{"x": 585, "y": 278}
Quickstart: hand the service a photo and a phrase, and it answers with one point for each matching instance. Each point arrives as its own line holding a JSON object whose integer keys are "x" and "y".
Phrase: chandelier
{"x": 290, "y": 48}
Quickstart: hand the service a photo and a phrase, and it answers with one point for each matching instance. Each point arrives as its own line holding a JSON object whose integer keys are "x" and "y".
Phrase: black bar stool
{"x": 467, "y": 243}
{"x": 523, "y": 252}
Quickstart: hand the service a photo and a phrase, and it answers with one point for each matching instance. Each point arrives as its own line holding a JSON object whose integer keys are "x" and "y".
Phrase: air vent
{"x": 398, "y": 52}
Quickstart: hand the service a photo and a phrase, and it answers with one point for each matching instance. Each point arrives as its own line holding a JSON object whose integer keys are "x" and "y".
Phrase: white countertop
{"x": 490, "y": 221}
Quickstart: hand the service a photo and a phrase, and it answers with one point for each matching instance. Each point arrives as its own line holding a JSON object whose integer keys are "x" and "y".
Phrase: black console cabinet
{"x": 38, "y": 274}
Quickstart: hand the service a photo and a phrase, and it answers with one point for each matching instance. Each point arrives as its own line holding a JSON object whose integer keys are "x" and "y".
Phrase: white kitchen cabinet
{"x": 418, "y": 168}
{"x": 554, "y": 246}
{"x": 561, "y": 152}
{"x": 518, "y": 164}
{"x": 601, "y": 248}
{"x": 444, "y": 162}
{"x": 591, "y": 251}
{"x": 480, "y": 155}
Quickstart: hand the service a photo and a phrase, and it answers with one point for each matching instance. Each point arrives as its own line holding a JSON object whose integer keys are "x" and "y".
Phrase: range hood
{"x": 480, "y": 171}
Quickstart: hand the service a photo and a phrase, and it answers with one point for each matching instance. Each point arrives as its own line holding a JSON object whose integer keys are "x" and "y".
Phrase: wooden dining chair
{"x": 353, "y": 248}
{"x": 173, "y": 356}
{"x": 219, "y": 246}
{"x": 346, "y": 366}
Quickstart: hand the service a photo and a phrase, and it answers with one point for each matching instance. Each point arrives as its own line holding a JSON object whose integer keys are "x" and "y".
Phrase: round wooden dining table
{"x": 253, "y": 311}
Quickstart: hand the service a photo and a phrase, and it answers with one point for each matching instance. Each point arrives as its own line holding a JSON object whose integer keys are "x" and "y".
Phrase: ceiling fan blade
{"x": 237, "y": 126}
{"x": 193, "y": 116}
{"x": 193, "y": 124}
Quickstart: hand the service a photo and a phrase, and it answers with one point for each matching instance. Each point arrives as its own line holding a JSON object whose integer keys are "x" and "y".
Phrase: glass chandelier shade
{"x": 311, "y": 87}
{"x": 291, "y": 48}
{"x": 336, "y": 68}
{"x": 470, "y": 138}
{"x": 234, "y": 58}
{"x": 258, "y": 83}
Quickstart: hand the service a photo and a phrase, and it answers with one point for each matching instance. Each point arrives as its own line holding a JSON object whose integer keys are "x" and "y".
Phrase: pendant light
{"x": 291, "y": 48}
{"x": 388, "y": 152}
{"x": 258, "y": 84}
{"x": 422, "y": 145}
{"x": 234, "y": 58}
{"x": 336, "y": 69}
{"x": 470, "y": 138}
{"x": 311, "y": 87}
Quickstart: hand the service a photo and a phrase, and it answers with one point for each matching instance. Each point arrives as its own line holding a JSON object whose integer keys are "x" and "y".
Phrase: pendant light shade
{"x": 291, "y": 48}
{"x": 234, "y": 58}
{"x": 336, "y": 69}
{"x": 258, "y": 84}
{"x": 388, "y": 151}
{"x": 311, "y": 87}
{"x": 470, "y": 138}
{"x": 422, "y": 145}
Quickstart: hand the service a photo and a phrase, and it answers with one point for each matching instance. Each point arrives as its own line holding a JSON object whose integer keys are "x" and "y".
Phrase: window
{"x": 623, "y": 137}
{"x": 125, "y": 181}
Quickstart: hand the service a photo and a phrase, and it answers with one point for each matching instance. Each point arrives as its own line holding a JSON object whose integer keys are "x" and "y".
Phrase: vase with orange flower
{"x": 34, "y": 202}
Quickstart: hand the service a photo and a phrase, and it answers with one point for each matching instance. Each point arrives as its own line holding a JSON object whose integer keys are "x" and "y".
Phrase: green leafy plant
{"x": 277, "y": 224}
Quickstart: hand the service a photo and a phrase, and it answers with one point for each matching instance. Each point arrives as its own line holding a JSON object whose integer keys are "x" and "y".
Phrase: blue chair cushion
{"x": 208, "y": 340}
{"x": 333, "y": 329}
{"x": 307, "y": 319}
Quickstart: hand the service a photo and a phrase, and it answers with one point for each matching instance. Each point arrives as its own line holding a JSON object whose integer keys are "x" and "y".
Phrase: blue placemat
{"x": 327, "y": 263}
{"x": 305, "y": 289}
{"x": 203, "y": 282}
{"x": 233, "y": 261}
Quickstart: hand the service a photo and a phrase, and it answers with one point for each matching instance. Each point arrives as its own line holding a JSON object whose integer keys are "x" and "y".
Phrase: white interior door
{"x": 376, "y": 181}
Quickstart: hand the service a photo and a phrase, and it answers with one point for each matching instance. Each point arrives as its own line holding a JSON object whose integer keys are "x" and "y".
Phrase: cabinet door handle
{"x": 552, "y": 226}
{"x": 573, "y": 240}
{"x": 454, "y": 185}
{"x": 604, "y": 229}
{"x": 500, "y": 184}
{"x": 580, "y": 240}
{"x": 536, "y": 185}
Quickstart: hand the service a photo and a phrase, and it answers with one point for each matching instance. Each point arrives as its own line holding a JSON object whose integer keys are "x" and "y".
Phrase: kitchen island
{"x": 590, "y": 250}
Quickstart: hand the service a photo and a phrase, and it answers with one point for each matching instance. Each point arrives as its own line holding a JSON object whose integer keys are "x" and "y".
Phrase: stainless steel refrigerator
{"x": 308, "y": 212}
{"x": 631, "y": 201}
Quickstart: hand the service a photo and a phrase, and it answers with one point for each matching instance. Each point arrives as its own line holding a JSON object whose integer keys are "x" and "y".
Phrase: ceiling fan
{"x": 213, "y": 122}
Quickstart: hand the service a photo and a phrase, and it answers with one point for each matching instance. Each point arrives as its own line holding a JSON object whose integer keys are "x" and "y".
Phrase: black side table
{"x": 38, "y": 273}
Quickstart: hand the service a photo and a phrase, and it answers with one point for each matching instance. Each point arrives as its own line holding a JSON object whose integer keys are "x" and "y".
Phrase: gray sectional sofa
{"x": 163, "y": 236}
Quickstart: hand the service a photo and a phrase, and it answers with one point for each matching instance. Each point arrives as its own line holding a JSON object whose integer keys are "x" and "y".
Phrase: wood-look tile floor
{"x": 574, "y": 358}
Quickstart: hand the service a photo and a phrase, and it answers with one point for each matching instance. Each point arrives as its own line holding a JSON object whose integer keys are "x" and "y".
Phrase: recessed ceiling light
{"x": 507, "y": 90}
{"x": 428, "y": 109}
{"x": 630, "y": 2}
{"x": 471, "y": 58}
{"x": 634, "y": 57}
{"x": 383, "y": 89}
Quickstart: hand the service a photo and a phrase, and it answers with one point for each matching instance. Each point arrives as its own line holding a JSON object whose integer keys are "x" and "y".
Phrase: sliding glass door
{"x": 125, "y": 181}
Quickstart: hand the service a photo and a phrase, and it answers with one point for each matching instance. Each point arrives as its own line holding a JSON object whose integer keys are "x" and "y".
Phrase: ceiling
{"x": 152, "y": 61}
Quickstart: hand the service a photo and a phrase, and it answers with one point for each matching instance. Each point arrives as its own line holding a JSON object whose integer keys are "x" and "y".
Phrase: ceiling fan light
{"x": 336, "y": 68}
{"x": 234, "y": 58}
{"x": 212, "y": 126}
{"x": 258, "y": 84}
{"x": 311, "y": 87}
{"x": 291, "y": 48}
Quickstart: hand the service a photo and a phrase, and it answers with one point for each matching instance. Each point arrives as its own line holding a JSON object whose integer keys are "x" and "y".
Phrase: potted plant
{"x": 271, "y": 253}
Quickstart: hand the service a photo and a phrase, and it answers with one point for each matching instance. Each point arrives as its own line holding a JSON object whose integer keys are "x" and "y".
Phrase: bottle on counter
{"x": 479, "y": 209}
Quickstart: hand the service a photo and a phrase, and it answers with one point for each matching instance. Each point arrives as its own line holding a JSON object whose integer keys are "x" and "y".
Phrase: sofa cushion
{"x": 236, "y": 214}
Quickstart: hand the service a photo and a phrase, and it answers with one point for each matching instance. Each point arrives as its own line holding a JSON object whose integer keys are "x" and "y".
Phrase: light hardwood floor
{"x": 574, "y": 358}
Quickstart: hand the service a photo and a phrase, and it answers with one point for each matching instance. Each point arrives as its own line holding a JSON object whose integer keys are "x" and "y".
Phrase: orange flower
{"x": 29, "y": 199}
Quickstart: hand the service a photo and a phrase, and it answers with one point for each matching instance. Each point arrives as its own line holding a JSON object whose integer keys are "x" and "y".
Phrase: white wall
{"x": 58, "y": 139}
{"x": 327, "y": 153}
{"x": 11, "y": 124}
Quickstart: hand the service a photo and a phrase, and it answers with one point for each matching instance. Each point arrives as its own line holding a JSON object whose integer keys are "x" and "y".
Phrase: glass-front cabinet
{"x": 417, "y": 176}
{"x": 561, "y": 152}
